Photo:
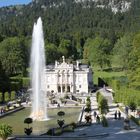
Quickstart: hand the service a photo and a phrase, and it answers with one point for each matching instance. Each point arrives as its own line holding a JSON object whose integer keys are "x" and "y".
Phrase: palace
{"x": 69, "y": 78}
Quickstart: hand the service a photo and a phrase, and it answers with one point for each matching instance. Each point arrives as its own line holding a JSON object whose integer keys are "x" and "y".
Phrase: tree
{"x": 132, "y": 106}
{"x": 65, "y": 48}
{"x": 51, "y": 53}
{"x": 5, "y": 131}
{"x": 12, "y": 55}
{"x": 134, "y": 63}
{"x": 98, "y": 51}
{"x": 122, "y": 50}
{"x": 4, "y": 80}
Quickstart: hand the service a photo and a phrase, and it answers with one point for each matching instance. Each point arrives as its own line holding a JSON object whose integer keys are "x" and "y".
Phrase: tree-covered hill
{"x": 70, "y": 19}
{"x": 71, "y": 28}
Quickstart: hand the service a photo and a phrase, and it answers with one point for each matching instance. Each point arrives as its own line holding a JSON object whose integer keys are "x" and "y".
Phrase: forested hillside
{"x": 102, "y": 32}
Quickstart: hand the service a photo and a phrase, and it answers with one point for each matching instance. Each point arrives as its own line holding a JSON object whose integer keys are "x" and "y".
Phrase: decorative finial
{"x": 63, "y": 57}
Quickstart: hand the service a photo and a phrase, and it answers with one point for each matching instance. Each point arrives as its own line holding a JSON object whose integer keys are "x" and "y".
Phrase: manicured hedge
{"x": 16, "y": 83}
{"x": 123, "y": 93}
{"x": 59, "y": 131}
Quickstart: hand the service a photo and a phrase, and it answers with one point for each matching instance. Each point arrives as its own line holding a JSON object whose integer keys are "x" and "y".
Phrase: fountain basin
{"x": 16, "y": 120}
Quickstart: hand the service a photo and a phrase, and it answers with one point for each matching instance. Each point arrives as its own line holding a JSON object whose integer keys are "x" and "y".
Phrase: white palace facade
{"x": 68, "y": 78}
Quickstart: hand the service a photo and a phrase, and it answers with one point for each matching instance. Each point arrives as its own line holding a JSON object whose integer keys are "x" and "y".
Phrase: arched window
{"x": 68, "y": 88}
{"x": 59, "y": 89}
{"x": 63, "y": 88}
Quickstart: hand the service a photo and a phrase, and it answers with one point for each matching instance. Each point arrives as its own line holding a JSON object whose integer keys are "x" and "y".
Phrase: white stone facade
{"x": 68, "y": 78}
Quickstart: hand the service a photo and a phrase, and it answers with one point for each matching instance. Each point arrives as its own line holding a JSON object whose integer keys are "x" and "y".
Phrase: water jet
{"x": 37, "y": 74}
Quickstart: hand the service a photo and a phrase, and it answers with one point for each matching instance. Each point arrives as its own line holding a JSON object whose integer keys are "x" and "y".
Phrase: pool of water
{"x": 16, "y": 120}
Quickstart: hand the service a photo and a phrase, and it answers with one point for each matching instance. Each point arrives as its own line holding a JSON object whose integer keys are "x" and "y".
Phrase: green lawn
{"x": 16, "y": 120}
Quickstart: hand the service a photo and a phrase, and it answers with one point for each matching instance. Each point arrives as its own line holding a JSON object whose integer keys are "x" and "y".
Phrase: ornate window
{"x": 59, "y": 89}
{"x": 68, "y": 88}
{"x": 63, "y": 88}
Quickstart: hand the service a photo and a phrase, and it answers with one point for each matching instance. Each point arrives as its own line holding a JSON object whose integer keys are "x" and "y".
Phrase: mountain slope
{"x": 72, "y": 18}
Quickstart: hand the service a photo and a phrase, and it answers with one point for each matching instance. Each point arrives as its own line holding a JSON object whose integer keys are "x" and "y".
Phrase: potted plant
{"x": 5, "y": 131}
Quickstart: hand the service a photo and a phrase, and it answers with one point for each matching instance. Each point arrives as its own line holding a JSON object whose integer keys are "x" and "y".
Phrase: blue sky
{"x": 13, "y": 2}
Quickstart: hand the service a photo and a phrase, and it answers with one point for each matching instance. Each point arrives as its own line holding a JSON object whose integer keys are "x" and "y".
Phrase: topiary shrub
{"x": 88, "y": 104}
{"x": 88, "y": 99}
{"x": 88, "y": 118}
{"x": 87, "y": 110}
{"x": 103, "y": 105}
{"x": 60, "y": 123}
{"x": 97, "y": 96}
{"x": 6, "y": 97}
{"x": 1, "y": 97}
{"x": 104, "y": 121}
{"x": 28, "y": 130}
{"x": 12, "y": 95}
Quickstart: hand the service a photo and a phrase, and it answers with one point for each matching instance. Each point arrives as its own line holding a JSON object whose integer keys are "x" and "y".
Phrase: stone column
{"x": 57, "y": 76}
{"x": 61, "y": 83}
{"x": 66, "y": 82}
{"x": 72, "y": 83}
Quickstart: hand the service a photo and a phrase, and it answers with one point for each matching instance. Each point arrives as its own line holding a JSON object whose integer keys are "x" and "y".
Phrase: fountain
{"x": 37, "y": 75}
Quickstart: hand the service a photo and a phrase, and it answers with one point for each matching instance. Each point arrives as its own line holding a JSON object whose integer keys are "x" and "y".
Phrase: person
{"x": 58, "y": 105}
{"x": 1, "y": 111}
{"x": 119, "y": 115}
{"x": 126, "y": 110}
{"x": 126, "y": 123}
{"x": 94, "y": 114}
{"x": 138, "y": 113}
{"x": 115, "y": 115}
{"x": 98, "y": 119}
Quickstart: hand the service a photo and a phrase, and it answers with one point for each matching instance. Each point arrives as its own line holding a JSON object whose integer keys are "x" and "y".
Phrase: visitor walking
{"x": 94, "y": 114}
{"x": 126, "y": 110}
{"x": 115, "y": 115}
{"x": 98, "y": 119}
{"x": 119, "y": 115}
{"x": 58, "y": 105}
